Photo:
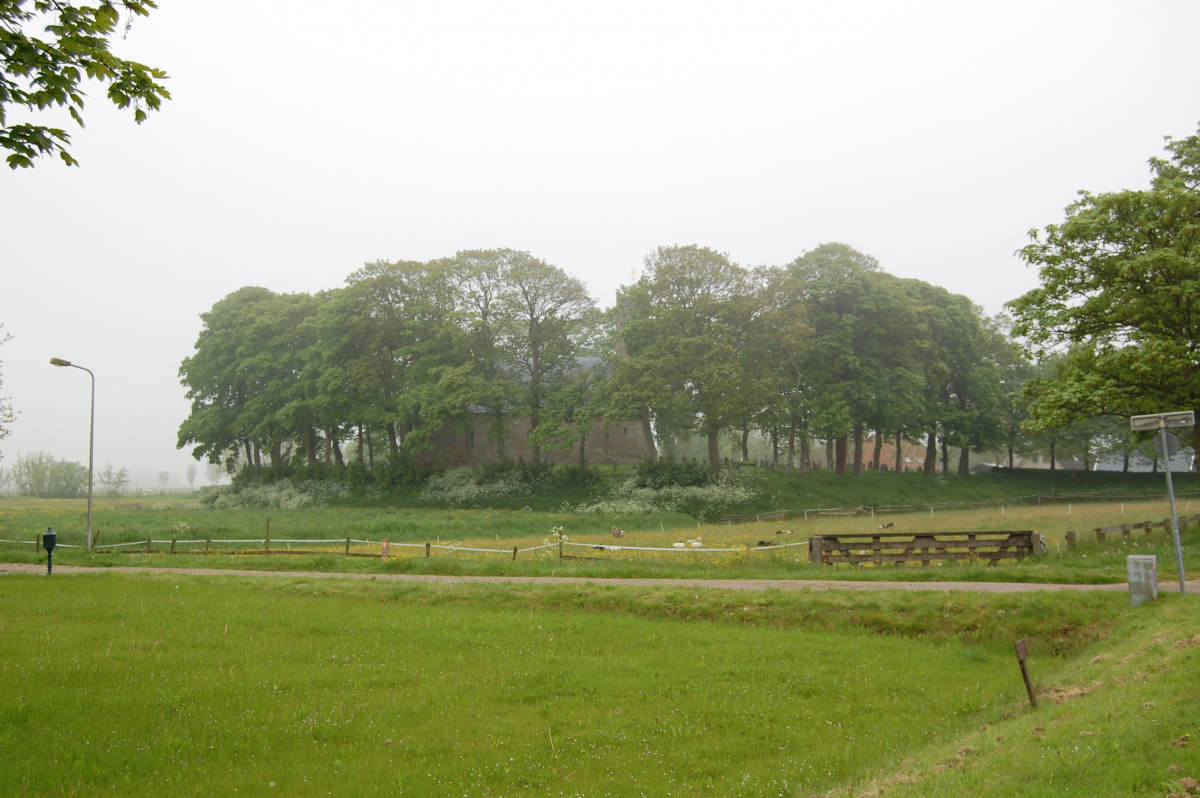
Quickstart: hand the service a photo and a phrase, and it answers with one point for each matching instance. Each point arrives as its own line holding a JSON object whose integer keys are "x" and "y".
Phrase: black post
{"x": 49, "y": 540}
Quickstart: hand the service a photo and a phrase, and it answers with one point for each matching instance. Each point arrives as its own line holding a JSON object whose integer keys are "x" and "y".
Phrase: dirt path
{"x": 718, "y": 584}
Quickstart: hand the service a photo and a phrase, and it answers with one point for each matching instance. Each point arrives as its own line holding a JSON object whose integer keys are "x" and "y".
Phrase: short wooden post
{"x": 1100, "y": 534}
{"x": 172, "y": 544}
{"x": 383, "y": 550}
{"x": 560, "y": 548}
{"x": 207, "y": 543}
{"x": 347, "y": 547}
{"x": 267, "y": 541}
{"x": 1022, "y": 655}
{"x": 514, "y": 553}
{"x": 814, "y": 549}
{"x": 1070, "y": 538}
{"x": 147, "y": 545}
{"x": 427, "y": 551}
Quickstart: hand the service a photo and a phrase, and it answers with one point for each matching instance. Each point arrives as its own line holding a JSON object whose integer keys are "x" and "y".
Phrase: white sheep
{"x": 695, "y": 544}
{"x": 679, "y": 545}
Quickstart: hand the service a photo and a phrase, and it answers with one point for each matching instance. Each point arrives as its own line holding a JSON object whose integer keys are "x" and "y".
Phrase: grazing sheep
{"x": 888, "y": 525}
{"x": 783, "y": 531}
{"x": 679, "y": 545}
{"x": 617, "y": 532}
{"x": 695, "y": 544}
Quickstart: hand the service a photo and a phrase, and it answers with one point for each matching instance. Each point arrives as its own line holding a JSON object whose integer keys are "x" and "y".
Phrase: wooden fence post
{"x": 347, "y": 547}
{"x": 514, "y": 553}
{"x": 207, "y": 543}
{"x": 1070, "y": 538}
{"x": 172, "y": 544}
{"x": 427, "y": 551}
{"x": 147, "y": 545}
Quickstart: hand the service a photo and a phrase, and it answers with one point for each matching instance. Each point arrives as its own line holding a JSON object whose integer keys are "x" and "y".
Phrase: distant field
{"x": 731, "y": 551}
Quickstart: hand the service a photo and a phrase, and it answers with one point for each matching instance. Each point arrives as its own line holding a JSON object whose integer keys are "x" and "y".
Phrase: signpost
{"x": 1161, "y": 422}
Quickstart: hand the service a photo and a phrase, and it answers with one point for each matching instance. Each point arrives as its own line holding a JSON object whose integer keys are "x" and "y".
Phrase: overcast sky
{"x": 305, "y": 139}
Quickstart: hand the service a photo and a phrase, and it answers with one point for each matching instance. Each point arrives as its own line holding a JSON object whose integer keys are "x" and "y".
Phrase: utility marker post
{"x": 1160, "y": 422}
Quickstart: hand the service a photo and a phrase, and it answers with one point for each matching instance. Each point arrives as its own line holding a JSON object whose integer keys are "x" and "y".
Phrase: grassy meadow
{"x": 117, "y": 684}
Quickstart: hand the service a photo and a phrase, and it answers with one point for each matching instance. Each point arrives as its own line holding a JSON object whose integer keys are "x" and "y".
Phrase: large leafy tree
{"x": 690, "y": 321}
{"x": 859, "y": 359}
{"x": 1119, "y": 299}
{"x": 48, "y": 50}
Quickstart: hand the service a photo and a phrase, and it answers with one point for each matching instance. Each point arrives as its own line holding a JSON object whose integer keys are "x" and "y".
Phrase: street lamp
{"x": 58, "y": 361}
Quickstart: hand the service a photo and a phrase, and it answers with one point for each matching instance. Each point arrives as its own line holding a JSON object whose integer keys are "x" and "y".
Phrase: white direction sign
{"x": 1186, "y": 418}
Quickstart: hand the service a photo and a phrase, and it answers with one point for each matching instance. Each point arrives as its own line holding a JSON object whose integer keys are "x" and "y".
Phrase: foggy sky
{"x": 305, "y": 139}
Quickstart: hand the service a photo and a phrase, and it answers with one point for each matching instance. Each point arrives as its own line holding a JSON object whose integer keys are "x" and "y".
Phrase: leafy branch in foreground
{"x": 39, "y": 72}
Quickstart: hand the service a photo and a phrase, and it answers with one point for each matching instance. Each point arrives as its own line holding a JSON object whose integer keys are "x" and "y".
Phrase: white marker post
{"x": 1161, "y": 422}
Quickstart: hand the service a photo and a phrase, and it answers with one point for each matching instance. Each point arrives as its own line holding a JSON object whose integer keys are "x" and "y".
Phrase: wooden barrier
{"x": 925, "y": 548}
{"x": 1102, "y": 532}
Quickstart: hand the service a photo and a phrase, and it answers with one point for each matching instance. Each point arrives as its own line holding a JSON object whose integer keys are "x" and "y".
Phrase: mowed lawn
{"x": 120, "y": 684}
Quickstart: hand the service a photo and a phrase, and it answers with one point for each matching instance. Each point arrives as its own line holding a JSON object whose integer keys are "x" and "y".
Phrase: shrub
{"x": 723, "y": 490}
{"x": 669, "y": 471}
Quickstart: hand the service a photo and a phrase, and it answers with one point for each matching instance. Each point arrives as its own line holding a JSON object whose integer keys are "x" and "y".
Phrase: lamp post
{"x": 58, "y": 361}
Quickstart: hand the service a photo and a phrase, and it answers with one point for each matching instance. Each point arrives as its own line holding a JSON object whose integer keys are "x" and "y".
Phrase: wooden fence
{"x": 925, "y": 548}
{"x": 1125, "y": 530}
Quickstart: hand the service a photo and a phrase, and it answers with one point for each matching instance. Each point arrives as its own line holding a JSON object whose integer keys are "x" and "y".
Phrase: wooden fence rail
{"x": 924, "y": 548}
{"x": 1125, "y": 530}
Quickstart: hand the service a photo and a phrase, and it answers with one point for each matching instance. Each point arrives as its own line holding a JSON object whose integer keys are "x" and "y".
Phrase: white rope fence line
{"x": 447, "y": 547}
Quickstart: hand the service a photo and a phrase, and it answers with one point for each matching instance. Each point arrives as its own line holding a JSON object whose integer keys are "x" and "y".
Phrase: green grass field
{"x": 117, "y": 684}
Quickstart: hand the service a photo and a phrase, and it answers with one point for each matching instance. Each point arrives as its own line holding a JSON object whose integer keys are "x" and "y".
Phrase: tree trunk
{"x": 839, "y": 453}
{"x": 330, "y": 435}
{"x": 877, "y": 455}
{"x": 714, "y": 450}
{"x": 745, "y": 442}
{"x": 945, "y": 456}
{"x": 1053, "y": 446}
{"x": 393, "y": 444}
{"x": 648, "y": 435}
{"x": 791, "y": 455}
{"x": 930, "y": 467}
{"x": 361, "y": 453}
{"x": 858, "y": 449}
{"x": 964, "y": 460}
{"x": 899, "y": 466}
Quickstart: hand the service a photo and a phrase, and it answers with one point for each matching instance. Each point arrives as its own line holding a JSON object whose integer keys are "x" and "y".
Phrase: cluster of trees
{"x": 388, "y": 359}
{"x": 41, "y": 474}
{"x": 827, "y": 348}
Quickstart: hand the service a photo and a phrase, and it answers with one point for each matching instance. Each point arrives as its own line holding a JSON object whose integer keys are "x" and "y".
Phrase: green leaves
{"x": 38, "y": 73}
{"x": 1120, "y": 295}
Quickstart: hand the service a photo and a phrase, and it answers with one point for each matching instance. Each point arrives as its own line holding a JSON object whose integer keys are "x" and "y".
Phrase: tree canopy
{"x": 699, "y": 349}
{"x": 1119, "y": 300}
{"x": 49, "y": 49}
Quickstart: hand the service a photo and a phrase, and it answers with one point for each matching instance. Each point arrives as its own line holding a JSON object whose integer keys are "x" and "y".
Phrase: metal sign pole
{"x": 1174, "y": 518}
{"x": 1161, "y": 421}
